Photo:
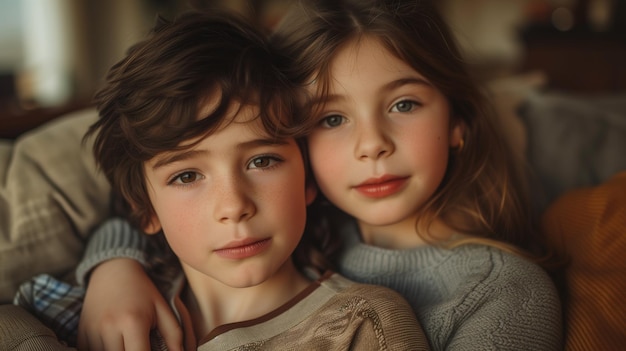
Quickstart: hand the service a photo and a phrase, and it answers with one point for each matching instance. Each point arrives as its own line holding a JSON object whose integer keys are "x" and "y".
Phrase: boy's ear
{"x": 310, "y": 192}
{"x": 153, "y": 227}
{"x": 457, "y": 132}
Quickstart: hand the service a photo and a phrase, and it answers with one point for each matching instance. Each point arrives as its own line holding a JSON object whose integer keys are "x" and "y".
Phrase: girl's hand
{"x": 122, "y": 305}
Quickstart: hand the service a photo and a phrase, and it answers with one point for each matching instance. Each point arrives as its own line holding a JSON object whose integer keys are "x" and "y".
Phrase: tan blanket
{"x": 51, "y": 197}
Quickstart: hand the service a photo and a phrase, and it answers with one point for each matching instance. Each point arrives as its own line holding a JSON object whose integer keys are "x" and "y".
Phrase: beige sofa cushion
{"x": 51, "y": 197}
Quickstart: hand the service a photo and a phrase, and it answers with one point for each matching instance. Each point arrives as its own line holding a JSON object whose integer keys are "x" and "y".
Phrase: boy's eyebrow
{"x": 187, "y": 154}
{"x": 177, "y": 156}
{"x": 391, "y": 85}
{"x": 268, "y": 141}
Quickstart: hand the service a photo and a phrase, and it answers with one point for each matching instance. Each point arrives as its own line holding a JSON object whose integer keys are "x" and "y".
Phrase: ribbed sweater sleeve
{"x": 115, "y": 238}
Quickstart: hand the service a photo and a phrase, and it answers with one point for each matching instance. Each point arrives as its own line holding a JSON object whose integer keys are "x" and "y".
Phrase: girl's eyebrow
{"x": 406, "y": 81}
{"x": 391, "y": 85}
{"x": 172, "y": 157}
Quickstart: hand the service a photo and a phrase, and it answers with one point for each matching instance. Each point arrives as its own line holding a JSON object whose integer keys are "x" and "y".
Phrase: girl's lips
{"x": 241, "y": 250}
{"x": 381, "y": 187}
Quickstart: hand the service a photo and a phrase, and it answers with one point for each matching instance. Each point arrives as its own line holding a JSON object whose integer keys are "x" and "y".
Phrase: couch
{"x": 52, "y": 196}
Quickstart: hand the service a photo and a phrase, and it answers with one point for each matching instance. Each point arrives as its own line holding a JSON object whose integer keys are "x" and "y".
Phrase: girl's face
{"x": 381, "y": 147}
{"x": 233, "y": 207}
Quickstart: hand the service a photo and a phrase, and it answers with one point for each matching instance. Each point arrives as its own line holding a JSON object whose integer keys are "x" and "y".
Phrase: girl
{"x": 428, "y": 199}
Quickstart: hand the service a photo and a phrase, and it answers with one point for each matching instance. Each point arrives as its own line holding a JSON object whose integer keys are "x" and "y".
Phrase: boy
{"x": 197, "y": 133}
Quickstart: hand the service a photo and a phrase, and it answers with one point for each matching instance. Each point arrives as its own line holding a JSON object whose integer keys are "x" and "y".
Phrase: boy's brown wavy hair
{"x": 151, "y": 100}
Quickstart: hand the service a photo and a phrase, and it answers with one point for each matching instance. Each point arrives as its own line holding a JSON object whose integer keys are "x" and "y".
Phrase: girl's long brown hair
{"x": 484, "y": 193}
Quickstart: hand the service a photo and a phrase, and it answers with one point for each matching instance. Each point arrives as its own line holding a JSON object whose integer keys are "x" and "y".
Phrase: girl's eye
{"x": 185, "y": 178}
{"x": 332, "y": 121}
{"x": 404, "y": 106}
{"x": 263, "y": 162}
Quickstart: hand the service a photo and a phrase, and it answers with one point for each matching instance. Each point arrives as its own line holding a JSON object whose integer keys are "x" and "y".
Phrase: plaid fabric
{"x": 55, "y": 303}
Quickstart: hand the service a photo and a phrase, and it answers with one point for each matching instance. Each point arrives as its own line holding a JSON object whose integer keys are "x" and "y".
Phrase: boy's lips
{"x": 241, "y": 249}
{"x": 381, "y": 186}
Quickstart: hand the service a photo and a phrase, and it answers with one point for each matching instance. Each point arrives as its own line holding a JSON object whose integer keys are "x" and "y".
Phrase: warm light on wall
{"x": 48, "y": 43}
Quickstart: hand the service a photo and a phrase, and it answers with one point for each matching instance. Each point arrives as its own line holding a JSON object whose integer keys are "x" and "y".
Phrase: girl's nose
{"x": 373, "y": 142}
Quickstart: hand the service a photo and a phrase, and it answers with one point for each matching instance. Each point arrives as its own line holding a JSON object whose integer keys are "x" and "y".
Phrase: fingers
{"x": 111, "y": 343}
{"x": 169, "y": 327}
{"x": 97, "y": 344}
{"x": 128, "y": 336}
{"x": 135, "y": 340}
{"x": 119, "y": 309}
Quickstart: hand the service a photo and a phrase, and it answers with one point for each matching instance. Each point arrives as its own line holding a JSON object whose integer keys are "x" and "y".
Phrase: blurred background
{"x": 55, "y": 53}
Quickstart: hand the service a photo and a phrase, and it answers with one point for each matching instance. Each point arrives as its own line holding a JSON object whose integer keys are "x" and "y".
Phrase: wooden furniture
{"x": 15, "y": 120}
{"x": 579, "y": 60}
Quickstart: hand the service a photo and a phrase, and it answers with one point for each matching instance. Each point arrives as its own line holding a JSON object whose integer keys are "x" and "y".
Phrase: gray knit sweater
{"x": 469, "y": 298}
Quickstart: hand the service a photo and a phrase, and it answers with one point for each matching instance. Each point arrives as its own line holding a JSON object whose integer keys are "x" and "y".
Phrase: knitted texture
{"x": 473, "y": 297}
{"x": 589, "y": 226}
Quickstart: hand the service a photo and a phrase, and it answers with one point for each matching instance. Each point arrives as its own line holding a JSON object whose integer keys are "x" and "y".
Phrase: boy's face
{"x": 233, "y": 207}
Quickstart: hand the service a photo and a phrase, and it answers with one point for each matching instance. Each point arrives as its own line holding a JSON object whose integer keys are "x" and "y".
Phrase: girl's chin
{"x": 385, "y": 220}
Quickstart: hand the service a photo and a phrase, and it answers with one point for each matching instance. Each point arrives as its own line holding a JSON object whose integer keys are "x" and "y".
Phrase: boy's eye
{"x": 404, "y": 106}
{"x": 262, "y": 162}
{"x": 185, "y": 178}
{"x": 332, "y": 121}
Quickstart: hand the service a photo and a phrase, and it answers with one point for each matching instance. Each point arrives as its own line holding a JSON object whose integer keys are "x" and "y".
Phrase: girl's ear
{"x": 153, "y": 227}
{"x": 457, "y": 132}
{"x": 310, "y": 192}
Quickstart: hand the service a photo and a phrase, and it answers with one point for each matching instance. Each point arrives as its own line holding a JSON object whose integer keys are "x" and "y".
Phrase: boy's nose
{"x": 233, "y": 203}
